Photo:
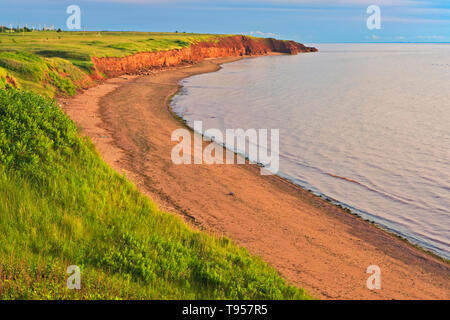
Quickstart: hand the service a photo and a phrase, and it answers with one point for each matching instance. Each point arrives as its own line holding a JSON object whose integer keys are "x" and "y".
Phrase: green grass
{"x": 57, "y": 63}
{"x": 61, "y": 205}
{"x": 80, "y": 46}
{"x": 47, "y": 76}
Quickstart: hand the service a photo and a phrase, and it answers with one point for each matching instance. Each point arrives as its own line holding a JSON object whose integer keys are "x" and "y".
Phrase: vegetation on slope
{"x": 61, "y": 205}
{"x": 51, "y": 62}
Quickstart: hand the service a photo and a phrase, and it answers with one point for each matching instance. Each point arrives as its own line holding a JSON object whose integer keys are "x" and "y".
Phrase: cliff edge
{"x": 224, "y": 47}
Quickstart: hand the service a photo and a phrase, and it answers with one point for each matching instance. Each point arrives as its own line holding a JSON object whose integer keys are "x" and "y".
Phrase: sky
{"x": 308, "y": 21}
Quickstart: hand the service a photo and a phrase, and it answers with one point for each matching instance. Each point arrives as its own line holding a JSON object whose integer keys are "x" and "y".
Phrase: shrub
{"x": 33, "y": 132}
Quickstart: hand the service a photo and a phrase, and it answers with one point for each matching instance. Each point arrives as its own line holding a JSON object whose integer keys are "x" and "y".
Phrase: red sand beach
{"x": 312, "y": 243}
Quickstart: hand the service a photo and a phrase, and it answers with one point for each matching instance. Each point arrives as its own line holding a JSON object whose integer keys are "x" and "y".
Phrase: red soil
{"x": 233, "y": 46}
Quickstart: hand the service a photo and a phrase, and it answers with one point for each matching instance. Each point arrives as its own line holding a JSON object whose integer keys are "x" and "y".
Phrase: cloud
{"x": 260, "y": 34}
{"x": 429, "y": 11}
{"x": 282, "y": 2}
{"x": 432, "y": 37}
{"x": 413, "y": 20}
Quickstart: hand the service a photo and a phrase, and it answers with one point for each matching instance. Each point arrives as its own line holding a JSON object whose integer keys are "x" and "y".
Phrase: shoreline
{"x": 336, "y": 202}
{"x": 327, "y": 256}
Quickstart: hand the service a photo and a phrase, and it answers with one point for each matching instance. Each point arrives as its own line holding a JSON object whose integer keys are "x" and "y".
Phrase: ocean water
{"x": 367, "y": 125}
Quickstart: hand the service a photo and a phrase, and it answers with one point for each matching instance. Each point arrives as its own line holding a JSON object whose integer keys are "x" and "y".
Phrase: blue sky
{"x": 310, "y": 21}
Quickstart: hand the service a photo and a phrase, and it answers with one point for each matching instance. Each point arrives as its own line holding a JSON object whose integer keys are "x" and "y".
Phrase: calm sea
{"x": 365, "y": 124}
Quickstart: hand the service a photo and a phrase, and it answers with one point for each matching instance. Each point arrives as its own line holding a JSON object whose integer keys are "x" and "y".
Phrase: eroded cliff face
{"x": 225, "y": 47}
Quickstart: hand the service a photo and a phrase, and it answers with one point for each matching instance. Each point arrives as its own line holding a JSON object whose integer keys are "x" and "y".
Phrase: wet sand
{"x": 312, "y": 243}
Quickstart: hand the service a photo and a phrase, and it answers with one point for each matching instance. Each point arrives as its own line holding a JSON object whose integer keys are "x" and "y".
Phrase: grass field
{"x": 61, "y": 205}
{"x": 51, "y": 62}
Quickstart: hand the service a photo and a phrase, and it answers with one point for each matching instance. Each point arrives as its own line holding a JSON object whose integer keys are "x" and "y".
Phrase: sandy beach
{"x": 312, "y": 243}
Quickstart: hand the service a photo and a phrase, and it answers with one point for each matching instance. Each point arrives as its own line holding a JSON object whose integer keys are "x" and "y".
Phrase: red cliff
{"x": 225, "y": 47}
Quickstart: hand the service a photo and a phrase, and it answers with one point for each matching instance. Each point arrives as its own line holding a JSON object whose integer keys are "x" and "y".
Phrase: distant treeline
{"x": 10, "y": 29}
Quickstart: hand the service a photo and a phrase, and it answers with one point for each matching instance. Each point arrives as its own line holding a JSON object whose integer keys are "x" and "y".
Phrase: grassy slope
{"x": 54, "y": 62}
{"x": 60, "y": 204}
